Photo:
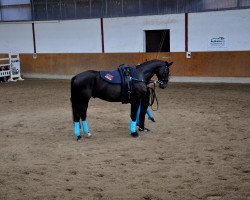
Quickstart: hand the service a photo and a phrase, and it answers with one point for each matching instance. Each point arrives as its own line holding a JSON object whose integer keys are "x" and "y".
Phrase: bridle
{"x": 160, "y": 81}
{"x": 153, "y": 97}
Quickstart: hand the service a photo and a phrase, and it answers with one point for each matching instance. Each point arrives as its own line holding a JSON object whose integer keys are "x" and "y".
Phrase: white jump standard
{"x": 10, "y": 68}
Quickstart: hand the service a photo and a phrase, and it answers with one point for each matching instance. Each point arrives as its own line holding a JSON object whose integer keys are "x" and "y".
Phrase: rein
{"x": 153, "y": 97}
{"x": 147, "y": 82}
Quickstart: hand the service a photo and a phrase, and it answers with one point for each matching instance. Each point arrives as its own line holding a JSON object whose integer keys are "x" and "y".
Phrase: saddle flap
{"x": 111, "y": 76}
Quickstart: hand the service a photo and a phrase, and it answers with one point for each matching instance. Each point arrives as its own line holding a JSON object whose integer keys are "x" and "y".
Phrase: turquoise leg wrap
{"x": 77, "y": 129}
{"x": 150, "y": 114}
{"x": 132, "y": 126}
{"x": 85, "y": 127}
{"x": 138, "y": 115}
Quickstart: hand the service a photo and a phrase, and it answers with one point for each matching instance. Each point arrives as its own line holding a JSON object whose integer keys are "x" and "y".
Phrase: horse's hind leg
{"x": 80, "y": 112}
{"x": 83, "y": 114}
{"x": 75, "y": 108}
{"x": 76, "y": 119}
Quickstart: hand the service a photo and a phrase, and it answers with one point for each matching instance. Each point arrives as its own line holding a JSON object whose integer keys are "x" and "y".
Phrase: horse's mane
{"x": 149, "y": 62}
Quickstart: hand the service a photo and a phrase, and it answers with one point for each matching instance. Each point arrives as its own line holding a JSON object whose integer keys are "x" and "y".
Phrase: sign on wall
{"x": 217, "y": 43}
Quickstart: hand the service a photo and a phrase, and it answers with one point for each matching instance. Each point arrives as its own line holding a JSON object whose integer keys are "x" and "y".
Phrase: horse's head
{"x": 155, "y": 67}
{"x": 162, "y": 74}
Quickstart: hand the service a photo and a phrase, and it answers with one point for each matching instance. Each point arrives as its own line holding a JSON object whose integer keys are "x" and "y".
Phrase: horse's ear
{"x": 169, "y": 64}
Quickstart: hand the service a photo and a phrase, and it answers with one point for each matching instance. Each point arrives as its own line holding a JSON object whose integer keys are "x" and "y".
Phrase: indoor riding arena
{"x": 195, "y": 141}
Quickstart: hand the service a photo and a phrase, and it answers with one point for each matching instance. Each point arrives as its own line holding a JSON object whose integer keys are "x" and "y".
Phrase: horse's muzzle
{"x": 163, "y": 85}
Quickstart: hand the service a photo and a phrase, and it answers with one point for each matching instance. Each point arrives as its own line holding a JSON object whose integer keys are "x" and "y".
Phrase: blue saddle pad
{"x": 111, "y": 76}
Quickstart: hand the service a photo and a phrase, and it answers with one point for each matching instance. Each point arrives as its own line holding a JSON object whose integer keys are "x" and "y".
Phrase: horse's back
{"x": 78, "y": 79}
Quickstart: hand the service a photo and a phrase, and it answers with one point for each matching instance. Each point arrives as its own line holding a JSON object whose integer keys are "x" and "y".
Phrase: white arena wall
{"x": 234, "y": 25}
{"x": 73, "y": 36}
{"x": 127, "y": 34}
{"x": 16, "y": 38}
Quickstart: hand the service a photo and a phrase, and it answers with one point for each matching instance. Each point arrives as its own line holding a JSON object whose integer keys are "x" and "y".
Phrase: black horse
{"x": 89, "y": 84}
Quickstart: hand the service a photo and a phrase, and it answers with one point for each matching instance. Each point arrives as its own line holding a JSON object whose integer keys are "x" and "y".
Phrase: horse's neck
{"x": 148, "y": 71}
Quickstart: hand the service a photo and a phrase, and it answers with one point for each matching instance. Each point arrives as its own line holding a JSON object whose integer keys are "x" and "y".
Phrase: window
{"x": 157, "y": 40}
{"x": 15, "y": 10}
{"x": 244, "y": 3}
{"x": 82, "y": 8}
{"x": 222, "y": 4}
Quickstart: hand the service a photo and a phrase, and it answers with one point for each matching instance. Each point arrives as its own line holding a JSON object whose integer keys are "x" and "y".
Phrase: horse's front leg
{"x": 143, "y": 110}
{"x": 134, "y": 109}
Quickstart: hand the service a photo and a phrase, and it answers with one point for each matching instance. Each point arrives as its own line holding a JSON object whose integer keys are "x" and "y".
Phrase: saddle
{"x": 122, "y": 76}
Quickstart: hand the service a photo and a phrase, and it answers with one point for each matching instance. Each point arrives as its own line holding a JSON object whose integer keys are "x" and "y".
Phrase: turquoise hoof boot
{"x": 77, "y": 132}
{"x": 85, "y": 128}
{"x": 132, "y": 128}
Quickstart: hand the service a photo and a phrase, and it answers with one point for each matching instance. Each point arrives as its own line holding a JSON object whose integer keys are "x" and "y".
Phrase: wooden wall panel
{"x": 210, "y": 64}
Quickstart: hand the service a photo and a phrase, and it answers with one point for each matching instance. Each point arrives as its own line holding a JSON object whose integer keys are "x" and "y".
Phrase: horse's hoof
{"x": 152, "y": 119}
{"x": 135, "y": 134}
{"x": 144, "y": 129}
{"x": 88, "y": 135}
{"x": 78, "y": 137}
